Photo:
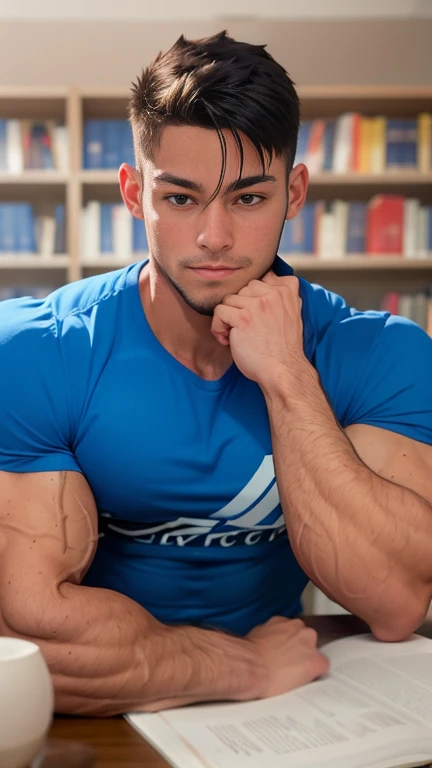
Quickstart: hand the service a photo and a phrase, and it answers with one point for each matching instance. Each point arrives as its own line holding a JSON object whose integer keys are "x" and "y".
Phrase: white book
{"x": 410, "y": 227}
{"x": 343, "y": 143}
{"x": 45, "y": 235}
{"x": 122, "y": 233}
{"x": 406, "y": 306}
{"x": 14, "y": 154}
{"x": 326, "y": 236}
{"x": 61, "y": 140}
{"x": 340, "y": 210}
{"x": 372, "y": 710}
{"x": 92, "y": 229}
{"x": 82, "y": 234}
{"x": 422, "y": 244}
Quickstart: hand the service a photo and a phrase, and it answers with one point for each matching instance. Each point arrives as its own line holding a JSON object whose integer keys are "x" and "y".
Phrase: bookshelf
{"x": 361, "y": 279}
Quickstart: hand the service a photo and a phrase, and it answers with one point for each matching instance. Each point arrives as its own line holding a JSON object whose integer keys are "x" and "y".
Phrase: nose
{"x": 215, "y": 232}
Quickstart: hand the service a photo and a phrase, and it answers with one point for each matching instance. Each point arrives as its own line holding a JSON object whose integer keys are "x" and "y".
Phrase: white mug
{"x": 26, "y": 702}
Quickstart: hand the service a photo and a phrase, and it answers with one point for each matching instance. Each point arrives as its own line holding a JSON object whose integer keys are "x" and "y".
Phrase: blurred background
{"x": 364, "y": 76}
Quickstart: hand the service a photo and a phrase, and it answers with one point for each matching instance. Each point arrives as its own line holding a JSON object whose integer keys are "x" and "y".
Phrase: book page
{"x": 397, "y": 674}
{"x": 322, "y": 724}
{"x": 368, "y": 712}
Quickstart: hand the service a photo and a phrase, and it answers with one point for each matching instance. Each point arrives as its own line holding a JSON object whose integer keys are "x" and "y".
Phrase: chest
{"x": 154, "y": 446}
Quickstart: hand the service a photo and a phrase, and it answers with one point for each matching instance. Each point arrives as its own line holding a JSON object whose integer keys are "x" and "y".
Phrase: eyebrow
{"x": 235, "y": 186}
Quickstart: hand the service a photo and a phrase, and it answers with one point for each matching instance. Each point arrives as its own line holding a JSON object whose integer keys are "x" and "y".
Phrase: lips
{"x": 216, "y": 268}
{"x": 214, "y": 273}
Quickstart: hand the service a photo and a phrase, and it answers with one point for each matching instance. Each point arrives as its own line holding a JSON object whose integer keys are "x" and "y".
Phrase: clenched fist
{"x": 263, "y": 326}
{"x": 288, "y": 649}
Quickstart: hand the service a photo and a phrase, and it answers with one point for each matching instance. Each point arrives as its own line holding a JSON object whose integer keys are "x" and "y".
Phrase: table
{"x": 116, "y": 743}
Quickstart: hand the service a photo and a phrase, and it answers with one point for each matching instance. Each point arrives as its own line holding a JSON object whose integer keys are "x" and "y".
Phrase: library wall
{"x": 108, "y": 53}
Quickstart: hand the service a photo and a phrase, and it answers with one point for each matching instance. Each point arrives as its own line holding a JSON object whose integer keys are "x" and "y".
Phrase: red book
{"x": 390, "y": 303}
{"x": 355, "y": 154}
{"x": 385, "y": 223}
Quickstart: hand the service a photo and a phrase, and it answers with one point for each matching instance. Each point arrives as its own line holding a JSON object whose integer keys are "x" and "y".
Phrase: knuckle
{"x": 310, "y": 634}
{"x": 297, "y": 623}
{"x": 322, "y": 664}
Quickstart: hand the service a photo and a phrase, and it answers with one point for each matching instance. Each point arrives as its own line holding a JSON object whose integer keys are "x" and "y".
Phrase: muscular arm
{"x": 106, "y": 654}
{"x": 364, "y": 539}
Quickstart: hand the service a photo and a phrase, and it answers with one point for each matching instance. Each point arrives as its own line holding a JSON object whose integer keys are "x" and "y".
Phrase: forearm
{"x": 107, "y": 655}
{"x": 363, "y": 539}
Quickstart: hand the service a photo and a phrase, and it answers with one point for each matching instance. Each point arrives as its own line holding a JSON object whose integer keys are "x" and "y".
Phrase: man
{"x": 146, "y": 414}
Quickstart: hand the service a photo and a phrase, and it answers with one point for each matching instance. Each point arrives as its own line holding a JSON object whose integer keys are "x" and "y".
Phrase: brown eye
{"x": 179, "y": 200}
{"x": 248, "y": 200}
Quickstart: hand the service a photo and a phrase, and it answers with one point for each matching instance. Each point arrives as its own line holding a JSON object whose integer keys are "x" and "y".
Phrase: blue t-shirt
{"x": 181, "y": 468}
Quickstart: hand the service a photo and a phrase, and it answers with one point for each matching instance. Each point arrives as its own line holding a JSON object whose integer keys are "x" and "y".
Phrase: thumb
{"x": 220, "y": 330}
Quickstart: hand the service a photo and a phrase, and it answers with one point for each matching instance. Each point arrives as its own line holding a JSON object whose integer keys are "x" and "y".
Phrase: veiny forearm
{"x": 107, "y": 655}
{"x": 363, "y": 539}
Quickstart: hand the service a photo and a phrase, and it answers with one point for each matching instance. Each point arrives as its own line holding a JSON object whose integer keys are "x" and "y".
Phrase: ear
{"x": 297, "y": 190}
{"x": 130, "y": 188}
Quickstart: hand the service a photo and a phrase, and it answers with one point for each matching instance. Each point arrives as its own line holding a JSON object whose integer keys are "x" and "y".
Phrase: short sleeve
{"x": 35, "y": 432}
{"x": 377, "y": 369}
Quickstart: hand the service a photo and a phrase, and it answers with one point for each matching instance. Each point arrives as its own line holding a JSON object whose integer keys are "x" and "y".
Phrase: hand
{"x": 289, "y": 651}
{"x": 263, "y": 326}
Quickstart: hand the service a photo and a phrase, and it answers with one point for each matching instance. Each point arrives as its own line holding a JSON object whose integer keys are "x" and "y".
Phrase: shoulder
{"x": 34, "y": 323}
{"x": 342, "y": 332}
{"x": 84, "y": 296}
{"x": 375, "y": 368}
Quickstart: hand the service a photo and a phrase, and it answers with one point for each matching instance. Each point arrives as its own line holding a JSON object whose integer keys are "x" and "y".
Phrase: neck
{"x": 184, "y": 333}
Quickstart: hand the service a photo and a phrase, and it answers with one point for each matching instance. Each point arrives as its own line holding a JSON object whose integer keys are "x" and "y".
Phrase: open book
{"x": 372, "y": 710}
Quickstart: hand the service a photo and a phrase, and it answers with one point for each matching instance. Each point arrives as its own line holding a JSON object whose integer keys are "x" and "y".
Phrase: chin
{"x": 203, "y": 308}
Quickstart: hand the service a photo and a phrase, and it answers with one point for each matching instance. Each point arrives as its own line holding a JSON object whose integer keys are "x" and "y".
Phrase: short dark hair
{"x": 217, "y": 82}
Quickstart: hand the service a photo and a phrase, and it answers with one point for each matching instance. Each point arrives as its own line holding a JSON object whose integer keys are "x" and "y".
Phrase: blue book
{"x": 25, "y": 231}
{"x": 3, "y": 145}
{"x": 60, "y": 229}
{"x": 127, "y": 149}
{"x": 429, "y": 242}
{"x": 112, "y": 141}
{"x": 328, "y": 140}
{"x": 410, "y": 142}
{"x": 106, "y": 231}
{"x": 2, "y": 228}
{"x": 303, "y": 141}
{"x": 139, "y": 236}
{"x": 401, "y": 142}
{"x": 356, "y": 232}
{"x": 7, "y": 227}
{"x": 394, "y": 133}
{"x": 93, "y": 144}
{"x": 298, "y": 233}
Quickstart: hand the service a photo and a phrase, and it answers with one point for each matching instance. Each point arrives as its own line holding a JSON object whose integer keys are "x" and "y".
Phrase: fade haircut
{"x": 217, "y": 83}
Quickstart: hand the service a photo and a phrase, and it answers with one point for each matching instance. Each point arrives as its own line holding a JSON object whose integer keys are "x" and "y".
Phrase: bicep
{"x": 394, "y": 457}
{"x": 48, "y": 535}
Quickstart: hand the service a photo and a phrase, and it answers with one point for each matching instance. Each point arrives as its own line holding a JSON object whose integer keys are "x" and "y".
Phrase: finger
{"x": 224, "y": 318}
{"x": 234, "y": 300}
{"x": 254, "y": 288}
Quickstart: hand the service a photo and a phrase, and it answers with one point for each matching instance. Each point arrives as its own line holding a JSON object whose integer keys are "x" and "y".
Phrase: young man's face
{"x": 208, "y": 251}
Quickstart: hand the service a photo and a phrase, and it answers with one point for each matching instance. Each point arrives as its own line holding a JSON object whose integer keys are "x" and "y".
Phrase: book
{"x": 372, "y": 710}
{"x": 424, "y": 142}
{"x": 385, "y": 225}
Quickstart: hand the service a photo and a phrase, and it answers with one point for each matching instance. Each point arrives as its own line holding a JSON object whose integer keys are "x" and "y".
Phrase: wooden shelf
{"x": 34, "y": 177}
{"x": 98, "y": 177}
{"x": 347, "y": 179}
{"x": 75, "y": 188}
{"x": 356, "y": 262}
{"x": 111, "y": 262}
{"x": 33, "y": 261}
